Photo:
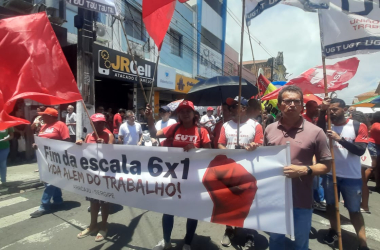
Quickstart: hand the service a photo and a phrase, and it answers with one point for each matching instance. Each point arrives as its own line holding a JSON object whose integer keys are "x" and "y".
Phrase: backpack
{"x": 169, "y": 140}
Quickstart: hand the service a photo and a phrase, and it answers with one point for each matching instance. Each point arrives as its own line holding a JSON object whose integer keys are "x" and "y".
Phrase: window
{"x": 175, "y": 42}
{"x": 229, "y": 68}
{"x": 134, "y": 24}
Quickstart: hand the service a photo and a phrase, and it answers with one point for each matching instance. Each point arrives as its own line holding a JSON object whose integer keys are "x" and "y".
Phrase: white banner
{"x": 232, "y": 187}
{"x": 103, "y": 6}
{"x": 350, "y": 27}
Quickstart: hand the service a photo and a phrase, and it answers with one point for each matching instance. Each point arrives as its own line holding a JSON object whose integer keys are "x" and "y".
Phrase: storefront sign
{"x": 210, "y": 63}
{"x": 183, "y": 84}
{"x": 116, "y": 65}
{"x": 104, "y": 6}
{"x": 166, "y": 77}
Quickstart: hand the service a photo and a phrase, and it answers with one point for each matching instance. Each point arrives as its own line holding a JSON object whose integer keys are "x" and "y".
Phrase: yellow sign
{"x": 183, "y": 84}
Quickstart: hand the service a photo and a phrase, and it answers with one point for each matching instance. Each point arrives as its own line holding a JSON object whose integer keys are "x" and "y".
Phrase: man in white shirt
{"x": 165, "y": 121}
{"x": 208, "y": 119}
{"x": 130, "y": 132}
{"x": 71, "y": 122}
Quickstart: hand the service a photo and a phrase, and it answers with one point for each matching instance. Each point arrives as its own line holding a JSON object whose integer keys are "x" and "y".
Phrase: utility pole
{"x": 271, "y": 72}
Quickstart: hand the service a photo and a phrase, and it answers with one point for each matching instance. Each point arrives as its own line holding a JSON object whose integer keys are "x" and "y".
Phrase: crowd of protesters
{"x": 304, "y": 126}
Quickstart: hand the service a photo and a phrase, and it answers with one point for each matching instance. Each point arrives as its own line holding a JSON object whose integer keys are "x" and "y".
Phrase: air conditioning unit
{"x": 103, "y": 34}
{"x": 137, "y": 49}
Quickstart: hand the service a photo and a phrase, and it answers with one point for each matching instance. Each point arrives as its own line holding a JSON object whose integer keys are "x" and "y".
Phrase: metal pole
{"x": 80, "y": 75}
{"x": 271, "y": 72}
{"x": 337, "y": 214}
{"x": 240, "y": 71}
{"x": 253, "y": 60}
{"x": 154, "y": 75}
{"x": 134, "y": 61}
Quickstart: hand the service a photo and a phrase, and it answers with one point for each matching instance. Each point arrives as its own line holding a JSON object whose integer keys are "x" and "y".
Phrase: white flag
{"x": 103, "y": 6}
{"x": 350, "y": 27}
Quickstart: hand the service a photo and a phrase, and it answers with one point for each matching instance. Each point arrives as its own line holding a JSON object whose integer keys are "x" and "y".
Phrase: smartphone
{"x": 101, "y": 62}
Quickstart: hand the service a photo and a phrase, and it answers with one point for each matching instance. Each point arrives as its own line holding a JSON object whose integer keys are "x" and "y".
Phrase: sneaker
{"x": 319, "y": 206}
{"x": 227, "y": 237}
{"x": 249, "y": 244}
{"x": 163, "y": 245}
{"x": 37, "y": 213}
{"x": 186, "y": 247}
{"x": 331, "y": 237}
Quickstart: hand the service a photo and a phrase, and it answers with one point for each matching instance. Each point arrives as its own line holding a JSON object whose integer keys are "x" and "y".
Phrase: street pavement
{"x": 131, "y": 228}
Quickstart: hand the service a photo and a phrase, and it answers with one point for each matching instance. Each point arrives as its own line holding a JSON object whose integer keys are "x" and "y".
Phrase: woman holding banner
{"x": 181, "y": 135}
{"x": 105, "y": 137}
{"x": 56, "y": 130}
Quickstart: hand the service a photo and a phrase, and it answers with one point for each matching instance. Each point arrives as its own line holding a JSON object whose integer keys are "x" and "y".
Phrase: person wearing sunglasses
{"x": 306, "y": 141}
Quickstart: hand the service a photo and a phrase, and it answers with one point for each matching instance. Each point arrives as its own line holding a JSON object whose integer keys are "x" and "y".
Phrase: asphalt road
{"x": 131, "y": 228}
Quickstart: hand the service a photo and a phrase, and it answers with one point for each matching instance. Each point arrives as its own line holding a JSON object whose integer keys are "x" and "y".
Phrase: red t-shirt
{"x": 309, "y": 119}
{"x": 183, "y": 136}
{"x": 117, "y": 121}
{"x": 91, "y": 138}
{"x": 374, "y": 136}
{"x": 55, "y": 131}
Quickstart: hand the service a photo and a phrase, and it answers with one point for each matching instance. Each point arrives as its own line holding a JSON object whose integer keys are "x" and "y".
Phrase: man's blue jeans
{"x": 3, "y": 164}
{"x": 50, "y": 192}
{"x": 302, "y": 226}
{"x": 318, "y": 191}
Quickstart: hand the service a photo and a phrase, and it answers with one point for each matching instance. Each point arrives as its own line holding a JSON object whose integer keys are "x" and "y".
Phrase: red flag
{"x": 312, "y": 82}
{"x": 32, "y": 66}
{"x": 263, "y": 83}
{"x": 157, "y": 15}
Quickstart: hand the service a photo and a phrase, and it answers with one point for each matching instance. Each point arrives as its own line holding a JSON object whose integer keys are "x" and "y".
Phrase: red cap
{"x": 185, "y": 104}
{"x": 98, "y": 117}
{"x": 210, "y": 109}
{"x": 49, "y": 111}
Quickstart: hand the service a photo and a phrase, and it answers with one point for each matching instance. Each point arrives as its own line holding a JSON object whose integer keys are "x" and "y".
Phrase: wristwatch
{"x": 309, "y": 170}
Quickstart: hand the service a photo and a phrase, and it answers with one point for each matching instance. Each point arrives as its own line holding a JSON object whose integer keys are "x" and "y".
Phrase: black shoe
{"x": 227, "y": 237}
{"x": 37, "y": 213}
{"x": 331, "y": 237}
{"x": 363, "y": 248}
{"x": 249, "y": 244}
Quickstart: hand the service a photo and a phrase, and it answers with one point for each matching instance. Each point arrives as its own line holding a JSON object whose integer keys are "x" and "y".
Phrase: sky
{"x": 296, "y": 34}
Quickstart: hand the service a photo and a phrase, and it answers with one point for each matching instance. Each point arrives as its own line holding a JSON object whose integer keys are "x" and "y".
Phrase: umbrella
{"x": 174, "y": 105}
{"x": 369, "y": 103}
{"x": 214, "y": 91}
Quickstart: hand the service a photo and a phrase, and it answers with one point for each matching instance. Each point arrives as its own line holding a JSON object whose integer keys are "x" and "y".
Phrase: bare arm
{"x": 295, "y": 171}
{"x": 221, "y": 146}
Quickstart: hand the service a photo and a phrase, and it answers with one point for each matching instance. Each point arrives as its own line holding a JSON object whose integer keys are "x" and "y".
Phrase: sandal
{"x": 86, "y": 233}
{"x": 365, "y": 211}
{"x": 101, "y": 235}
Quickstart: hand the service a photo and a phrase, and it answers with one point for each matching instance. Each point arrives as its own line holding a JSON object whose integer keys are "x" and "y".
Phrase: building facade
{"x": 231, "y": 65}
{"x": 273, "y": 68}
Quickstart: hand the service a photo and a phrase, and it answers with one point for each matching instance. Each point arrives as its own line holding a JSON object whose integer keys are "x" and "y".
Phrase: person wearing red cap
{"x": 208, "y": 119}
{"x": 187, "y": 135}
{"x": 250, "y": 137}
{"x": 56, "y": 130}
{"x": 105, "y": 137}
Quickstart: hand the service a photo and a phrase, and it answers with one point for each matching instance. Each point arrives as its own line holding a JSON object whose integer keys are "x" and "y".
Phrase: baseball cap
{"x": 185, "y": 104}
{"x": 49, "y": 111}
{"x": 98, "y": 117}
{"x": 231, "y": 101}
{"x": 210, "y": 109}
{"x": 165, "y": 108}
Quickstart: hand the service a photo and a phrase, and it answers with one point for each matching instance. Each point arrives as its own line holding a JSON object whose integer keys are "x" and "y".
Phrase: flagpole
{"x": 154, "y": 75}
{"x": 240, "y": 72}
{"x": 337, "y": 214}
{"x": 253, "y": 60}
{"x": 134, "y": 61}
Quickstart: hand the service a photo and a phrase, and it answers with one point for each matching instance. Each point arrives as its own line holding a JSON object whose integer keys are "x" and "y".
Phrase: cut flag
{"x": 157, "y": 16}
{"x": 312, "y": 82}
{"x": 32, "y": 66}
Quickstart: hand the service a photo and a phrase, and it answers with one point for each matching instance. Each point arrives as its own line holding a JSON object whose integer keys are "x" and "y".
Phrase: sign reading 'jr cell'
{"x": 116, "y": 65}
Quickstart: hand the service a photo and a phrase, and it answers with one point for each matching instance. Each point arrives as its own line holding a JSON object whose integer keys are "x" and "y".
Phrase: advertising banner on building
{"x": 350, "y": 27}
{"x": 166, "y": 77}
{"x": 231, "y": 187}
{"x": 103, "y": 6}
{"x": 210, "y": 63}
{"x": 117, "y": 65}
{"x": 183, "y": 84}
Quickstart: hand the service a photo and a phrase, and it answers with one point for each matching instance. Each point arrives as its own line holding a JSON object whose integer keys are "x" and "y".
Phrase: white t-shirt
{"x": 209, "y": 120}
{"x": 250, "y": 131}
{"x": 160, "y": 125}
{"x": 348, "y": 165}
{"x": 130, "y": 134}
